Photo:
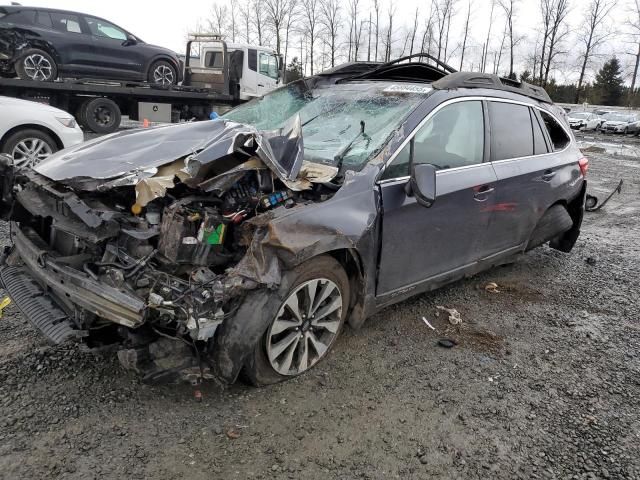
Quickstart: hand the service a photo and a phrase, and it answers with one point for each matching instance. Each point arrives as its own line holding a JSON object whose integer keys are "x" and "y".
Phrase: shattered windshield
{"x": 341, "y": 124}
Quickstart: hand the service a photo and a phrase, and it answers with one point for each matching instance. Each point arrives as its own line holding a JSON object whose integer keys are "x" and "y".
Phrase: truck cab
{"x": 241, "y": 71}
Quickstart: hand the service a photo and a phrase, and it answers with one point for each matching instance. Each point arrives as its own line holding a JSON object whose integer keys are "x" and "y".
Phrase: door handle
{"x": 548, "y": 175}
{"x": 260, "y": 85}
{"x": 481, "y": 193}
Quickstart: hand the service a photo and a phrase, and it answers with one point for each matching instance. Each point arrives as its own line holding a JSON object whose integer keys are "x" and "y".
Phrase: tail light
{"x": 583, "y": 163}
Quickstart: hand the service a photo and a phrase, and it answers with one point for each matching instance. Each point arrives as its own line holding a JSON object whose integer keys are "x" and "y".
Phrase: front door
{"x": 115, "y": 56}
{"x": 420, "y": 243}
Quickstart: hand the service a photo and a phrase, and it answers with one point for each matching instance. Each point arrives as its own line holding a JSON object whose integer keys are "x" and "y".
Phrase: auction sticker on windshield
{"x": 408, "y": 89}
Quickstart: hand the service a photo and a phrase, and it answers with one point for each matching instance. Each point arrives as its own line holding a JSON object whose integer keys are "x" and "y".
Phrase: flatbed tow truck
{"x": 220, "y": 77}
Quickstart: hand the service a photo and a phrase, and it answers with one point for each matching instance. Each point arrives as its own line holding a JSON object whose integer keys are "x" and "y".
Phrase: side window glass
{"x": 213, "y": 60}
{"x": 539, "y": 143}
{"x": 44, "y": 19}
{"x": 511, "y": 132}
{"x": 100, "y": 28}
{"x": 268, "y": 65}
{"x": 559, "y": 138}
{"x": 453, "y": 137}
{"x": 252, "y": 59}
{"x": 66, "y": 23}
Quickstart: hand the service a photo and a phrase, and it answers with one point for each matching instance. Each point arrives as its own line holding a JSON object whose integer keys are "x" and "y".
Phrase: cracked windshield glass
{"x": 342, "y": 125}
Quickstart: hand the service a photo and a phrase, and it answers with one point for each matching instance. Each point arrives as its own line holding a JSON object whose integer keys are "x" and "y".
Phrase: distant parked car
{"x": 620, "y": 123}
{"x": 584, "y": 121}
{"x": 31, "y": 131}
{"x": 41, "y": 44}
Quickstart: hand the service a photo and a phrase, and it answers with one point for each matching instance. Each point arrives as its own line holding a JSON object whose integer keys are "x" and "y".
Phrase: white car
{"x": 31, "y": 131}
{"x": 584, "y": 121}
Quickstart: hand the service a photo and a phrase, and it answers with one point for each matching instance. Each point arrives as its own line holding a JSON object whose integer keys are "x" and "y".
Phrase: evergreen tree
{"x": 609, "y": 84}
{"x": 294, "y": 70}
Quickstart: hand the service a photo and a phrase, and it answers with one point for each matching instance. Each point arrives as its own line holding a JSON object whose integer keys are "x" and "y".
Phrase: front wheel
{"x": 29, "y": 147}
{"x": 306, "y": 325}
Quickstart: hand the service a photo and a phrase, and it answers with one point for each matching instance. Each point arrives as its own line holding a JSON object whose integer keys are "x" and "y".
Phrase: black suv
{"x": 41, "y": 44}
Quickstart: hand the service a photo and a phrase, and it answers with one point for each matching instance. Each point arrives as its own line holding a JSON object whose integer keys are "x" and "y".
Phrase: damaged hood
{"x": 127, "y": 157}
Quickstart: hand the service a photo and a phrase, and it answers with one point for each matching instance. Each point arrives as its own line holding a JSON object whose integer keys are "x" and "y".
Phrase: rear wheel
{"x": 37, "y": 65}
{"x": 100, "y": 115}
{"x": 555, "y": 221}
{"x": 29, "y": 147}
{"x": 307, "y": 323}
{"x": 162, "y": 73}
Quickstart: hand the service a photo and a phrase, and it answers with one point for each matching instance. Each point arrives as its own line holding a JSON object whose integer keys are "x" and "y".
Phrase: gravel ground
{"x": 544, "y": 383}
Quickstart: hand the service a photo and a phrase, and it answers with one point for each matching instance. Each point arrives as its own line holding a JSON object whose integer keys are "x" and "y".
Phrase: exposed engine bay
{"x": 147, "y": 260}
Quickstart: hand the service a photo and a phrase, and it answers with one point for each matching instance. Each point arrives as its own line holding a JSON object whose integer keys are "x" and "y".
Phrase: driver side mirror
{"x": 422, "y": 183}
{"x": 131, "y": 40}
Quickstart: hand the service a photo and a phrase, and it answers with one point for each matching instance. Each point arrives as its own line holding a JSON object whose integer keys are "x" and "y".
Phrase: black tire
{"x": 100, "y": 115}
{"x": 555, "y": 221}
{"x": 162, "y": 73}
{"x": 36, "y": 65}
{"x": 258, "y": 369}
{"x": 26, "y": 136}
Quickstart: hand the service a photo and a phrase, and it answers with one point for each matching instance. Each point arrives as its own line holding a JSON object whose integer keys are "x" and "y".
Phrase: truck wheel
{"x": 100, "y": 115}
{"x": 306, "y": 323}
{"x": 163, "y": 74}
{"x": 37, "y": 65}
{"x": 29, "y": 147}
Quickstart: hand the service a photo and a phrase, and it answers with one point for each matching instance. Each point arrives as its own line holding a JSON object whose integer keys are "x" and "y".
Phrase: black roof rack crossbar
{"x": 493, "y": 82}
{"x": 440, "y": 63}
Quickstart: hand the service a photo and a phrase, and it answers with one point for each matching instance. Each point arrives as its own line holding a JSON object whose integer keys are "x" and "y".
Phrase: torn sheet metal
{"x": 150, "y": 188}
{"x": 126, "y": 158}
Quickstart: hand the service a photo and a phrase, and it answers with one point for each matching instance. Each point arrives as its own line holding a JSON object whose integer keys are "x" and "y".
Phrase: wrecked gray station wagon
{"x": 242, "y": 245}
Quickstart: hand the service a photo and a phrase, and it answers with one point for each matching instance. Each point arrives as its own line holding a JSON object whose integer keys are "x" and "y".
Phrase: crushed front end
{"x": 146, "y": 262}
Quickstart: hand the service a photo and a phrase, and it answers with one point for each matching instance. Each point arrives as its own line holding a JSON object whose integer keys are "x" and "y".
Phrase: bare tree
{"x": 233, "y": 10}
{"x": 311, "y": 16}
{"x": 275, "y": 17}
{"x": 217, "y": 22}
{"x": 258, "y": 8}
{"x": 485, "y": 50}
{"x": 413, "y": 32}
{"x": 466, "y": 34}
{"x": 331, "y": 21}
{"x": 557, "y": 33}
{"x": 355, "y": 29}
{"x": 546, "y": 9}
{"x": 246, "y": 13}
{"x": 369, "y": 42}
{"x": 389, "y": 37}
{"x": 634, "y": 23}
{"x": 376, "y": 8}
{"x": 509, "y": 7}
{"x": 291, "y": 17}
{"x": 592, "y": 35}
{"x": 443, "y": 13}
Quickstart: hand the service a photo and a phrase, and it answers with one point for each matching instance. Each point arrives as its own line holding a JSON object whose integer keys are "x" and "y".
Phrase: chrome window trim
{"x": 412, "y": 134}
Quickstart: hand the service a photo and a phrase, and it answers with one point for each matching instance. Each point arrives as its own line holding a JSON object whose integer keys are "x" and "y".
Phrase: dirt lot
{"x": 545, "y": 383}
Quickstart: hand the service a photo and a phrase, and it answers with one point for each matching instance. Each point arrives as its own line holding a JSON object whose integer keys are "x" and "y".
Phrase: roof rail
{"x": 438, "y": 62}
{"x": 490, "y": 81}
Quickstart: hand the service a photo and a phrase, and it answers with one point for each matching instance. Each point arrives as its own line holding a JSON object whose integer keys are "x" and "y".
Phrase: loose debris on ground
{"x": 543, "y": 383}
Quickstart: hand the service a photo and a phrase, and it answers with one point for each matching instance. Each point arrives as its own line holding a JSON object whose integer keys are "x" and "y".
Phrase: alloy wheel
{"x": 163, "y": 75}
{"x": 38, "y": 67}
{"x": 29, "y": 152}
{"x": 305, "y": 327}
{"x": 103, "y": 116}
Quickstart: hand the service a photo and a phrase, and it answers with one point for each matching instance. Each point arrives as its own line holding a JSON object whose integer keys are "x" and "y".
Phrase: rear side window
{"x": 43, "y": 19}
{"x": 19, "y": 18}
{"x": 64, "y": 22}
{"x": 511, "y": 132}
{"x": 213, "y": 60}
{"x": 559, "y": 138}
{"x": 539, "y": 143}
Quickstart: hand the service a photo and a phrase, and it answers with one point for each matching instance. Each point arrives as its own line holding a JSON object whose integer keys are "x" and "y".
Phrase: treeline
{"x": 568, "y": 41}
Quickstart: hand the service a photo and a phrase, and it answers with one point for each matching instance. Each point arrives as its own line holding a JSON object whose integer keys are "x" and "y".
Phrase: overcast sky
{"x": 167, "y": 23}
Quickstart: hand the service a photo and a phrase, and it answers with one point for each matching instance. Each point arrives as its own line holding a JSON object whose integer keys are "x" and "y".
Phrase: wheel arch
{"x": 32, "y": 126}
{"x": 41, "y": 45}
{"x": 161, "y": 56}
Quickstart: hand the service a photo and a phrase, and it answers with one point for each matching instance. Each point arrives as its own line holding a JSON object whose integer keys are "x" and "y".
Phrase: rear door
{"x": 114, "y": 56}
{"x": 420, "y": 243}
{"x": 526, "y": 152}
{"x": 70, "y": 39}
